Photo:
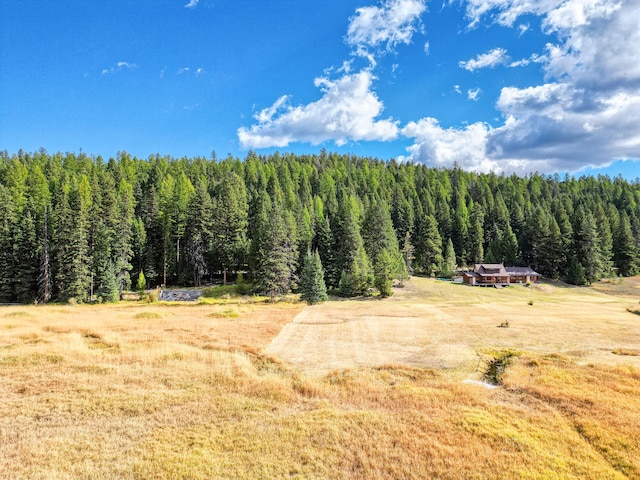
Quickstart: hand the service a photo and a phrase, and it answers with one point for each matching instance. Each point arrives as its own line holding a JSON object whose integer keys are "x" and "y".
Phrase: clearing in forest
{"x": 436, "y": 324}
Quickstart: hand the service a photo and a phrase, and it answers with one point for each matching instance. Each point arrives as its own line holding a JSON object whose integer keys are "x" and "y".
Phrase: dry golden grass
{"x": 435, "y": 324}
{"x": 108, "y": 392}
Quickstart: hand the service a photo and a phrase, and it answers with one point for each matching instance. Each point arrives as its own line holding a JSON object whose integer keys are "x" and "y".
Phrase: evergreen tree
{"x": 408, "y": 253}
{"x": 45, "y": 280}
{"x": 72, "y": 256}
{"x": 141, "y": 283}
{"x": 428, "y": 249}
{"x": 25, "y": 260}
{"x": 381, "y": 246}
{"x": 199, "y": 233}
{"x": 123, "y": 248}
{"x": 274, "y": 250}
{"x": 587, "y": 241}
{"x": 312, "y": 287}
{"x": 476, "y": 235}
{"x": 626, "y": 255}
{"x": 7, "y": 220}
{"x": 107, "y": 286}
{"x": 350, "y": 256}
{"x": 576, "y": 273}
{"x": 449, "y": 263}
{"x": 460, "y": 230}
{"x": 230, "y": 223}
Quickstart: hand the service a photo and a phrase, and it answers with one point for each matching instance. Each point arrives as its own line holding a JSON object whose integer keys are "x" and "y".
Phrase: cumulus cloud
{"x": 584, "y": 114}
{"x": 192, "y": 4}
{"x": 119, "y": 67}
{"x": 346, "y": 112}
{"x": 491, "y": 59}
{"x": 382, "y": 28}
{"x": 348, "y": 109}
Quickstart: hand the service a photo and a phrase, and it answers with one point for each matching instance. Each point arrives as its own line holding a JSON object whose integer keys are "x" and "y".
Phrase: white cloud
{"x": 473, "y": 93}
{"x": 586, "y": 112}
{"x": 437, "y": 146}
{"x": 427, "y": 47}
{"x": 534, "y": 58}
{"x": 346, "y": 112}
{"x": 119, "y": 67}
{"x": 491, "y": 59}
{"x": 198, "y": 72}
{"x": 456, "y": 88}
{"x": 384, "y": 27}
{"x": 192, "y": 4}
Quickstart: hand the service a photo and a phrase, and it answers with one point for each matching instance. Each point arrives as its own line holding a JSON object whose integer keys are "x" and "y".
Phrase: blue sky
{"x": 503, "y": 85}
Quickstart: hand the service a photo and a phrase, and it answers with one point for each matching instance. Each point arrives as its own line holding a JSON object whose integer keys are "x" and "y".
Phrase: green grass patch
{"x": 225, "y": 314}
{"x": 634, "y": 309}
{"x": 496, "y": 364}
{"x": 147, "y": 316}
{"x": 32, "y": 360}
{"x": 627, "y": 352}
{"x": 221, "y": 291}
{"x": 18, "y": 315}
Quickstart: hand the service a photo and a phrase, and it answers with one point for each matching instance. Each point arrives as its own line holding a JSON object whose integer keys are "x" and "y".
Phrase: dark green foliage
{"x": 274, "y": 249}
{"x": 350, "y": 257}
{"x": 312, "y": 287}
{"x": 106, "y": 283}
{"x": 588, "y": 247}
{"x": 626, "y": 254}
{"x": 428, "y": 251}
{"x": 229, "y": 225}
{"x": 576, "y": 273}
{"x": 70, "y": 224}
{"x": 449, "y": 264}
{"x": 382, "y": 248}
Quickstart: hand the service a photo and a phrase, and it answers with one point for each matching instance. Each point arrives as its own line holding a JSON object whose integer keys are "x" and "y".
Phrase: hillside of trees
{"x": 73, "y": 226}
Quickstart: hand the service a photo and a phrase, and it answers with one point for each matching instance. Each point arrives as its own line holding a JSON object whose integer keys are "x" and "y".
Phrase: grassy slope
{"x": 181, "y": 392}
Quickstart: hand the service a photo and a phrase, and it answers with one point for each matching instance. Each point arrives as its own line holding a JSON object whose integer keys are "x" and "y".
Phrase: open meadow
{"x": 366, "y": 389}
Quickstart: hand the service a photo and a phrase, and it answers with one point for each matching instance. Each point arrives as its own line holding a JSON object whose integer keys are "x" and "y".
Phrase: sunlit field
{"x": 206, "y": 391}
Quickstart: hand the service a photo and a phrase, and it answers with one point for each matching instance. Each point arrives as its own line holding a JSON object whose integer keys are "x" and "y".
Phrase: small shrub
{"x": 72, "y": 301}
{"x": 530, "y": 302}
{"x": 242, "y": 288}
{"x": 141, "y": 284}
{"x": 221, "y": 291}
{"x": 152, "y": 296}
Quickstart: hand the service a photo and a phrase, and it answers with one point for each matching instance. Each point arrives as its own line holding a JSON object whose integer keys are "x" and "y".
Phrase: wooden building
{"x": 496, "y": 275}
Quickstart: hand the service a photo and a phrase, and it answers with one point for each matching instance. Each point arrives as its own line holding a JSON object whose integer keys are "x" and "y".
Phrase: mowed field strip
{"x": 435, "y": 324}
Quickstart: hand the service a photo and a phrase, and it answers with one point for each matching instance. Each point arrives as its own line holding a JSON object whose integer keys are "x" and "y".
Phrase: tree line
{"x": 82, "y": 227}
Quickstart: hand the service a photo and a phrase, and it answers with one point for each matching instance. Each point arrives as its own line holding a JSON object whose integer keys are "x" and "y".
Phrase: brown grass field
{"x": 368, "y": 389}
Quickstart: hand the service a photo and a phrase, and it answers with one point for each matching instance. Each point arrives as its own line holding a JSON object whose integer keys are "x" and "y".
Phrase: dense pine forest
{"x": 79, "y": 227}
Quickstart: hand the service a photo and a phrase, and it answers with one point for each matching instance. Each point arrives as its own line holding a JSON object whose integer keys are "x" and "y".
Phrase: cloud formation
{"x": 585, "y": 114}
{"x": 384, "y": 27}
{"x": 491, "y": 59}
{"x": 119, "y": 67}
{"x": 348, "y": 109}
{"x": 192, "y": 4}
{"x": 346, "y": 112}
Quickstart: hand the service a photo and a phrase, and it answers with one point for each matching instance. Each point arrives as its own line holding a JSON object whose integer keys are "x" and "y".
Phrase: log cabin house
{"x": 497, "y": 275}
